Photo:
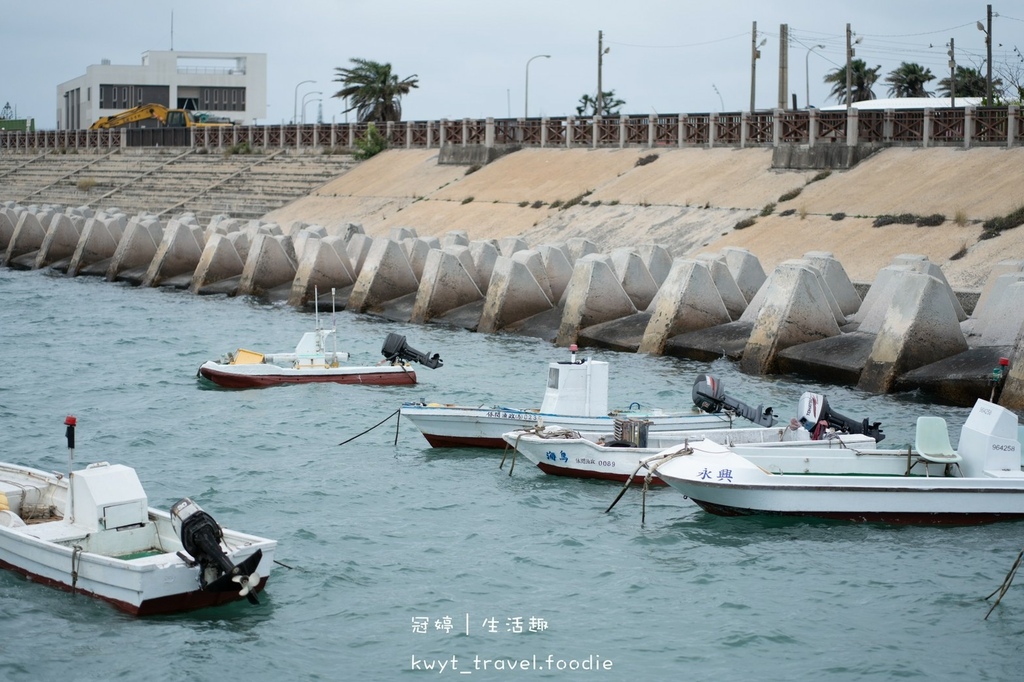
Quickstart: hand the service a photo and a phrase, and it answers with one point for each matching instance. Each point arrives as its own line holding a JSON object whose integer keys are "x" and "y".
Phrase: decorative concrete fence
{"x": 960, "y": 127}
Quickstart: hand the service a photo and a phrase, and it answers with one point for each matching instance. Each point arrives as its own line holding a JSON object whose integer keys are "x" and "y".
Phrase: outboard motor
{"x": 395, "y": 348}
{"x": 201, "y": 536}
{"x": 709, "y": 396}
{"x": 814, "y": 410}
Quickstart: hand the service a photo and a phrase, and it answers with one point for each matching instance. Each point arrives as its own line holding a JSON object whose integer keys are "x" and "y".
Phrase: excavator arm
{"x": 140, "y": 113}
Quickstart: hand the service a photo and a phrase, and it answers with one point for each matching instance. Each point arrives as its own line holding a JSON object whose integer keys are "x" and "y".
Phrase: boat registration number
{"x": 517, "y": 416}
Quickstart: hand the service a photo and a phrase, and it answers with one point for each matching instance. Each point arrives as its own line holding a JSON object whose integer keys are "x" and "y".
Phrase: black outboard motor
{"x": 815, "y": 412}
{"x": 200, "y": 535}
{"x": 709, "y": 395}
{"x": 395, "y": 348}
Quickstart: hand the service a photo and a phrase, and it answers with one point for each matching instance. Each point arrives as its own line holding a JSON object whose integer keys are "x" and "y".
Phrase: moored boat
{"x": 980, "y": 482}
{"x": 818, "y": 432}
{"x": 92, "y": 532}
{"x": 576, "y": 398}
{"x": 316, "y": 359}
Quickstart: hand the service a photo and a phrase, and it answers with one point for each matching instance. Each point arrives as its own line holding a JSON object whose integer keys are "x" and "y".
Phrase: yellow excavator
{"x": 169, "y": 118}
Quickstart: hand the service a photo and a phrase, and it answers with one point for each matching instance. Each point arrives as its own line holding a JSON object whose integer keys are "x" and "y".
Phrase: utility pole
{"x": 988, "y": 44}
{"x": 599, "y": 102}
{"x": 754, "y": 54}
{"x": 783, "y": 65}
{"x": 849, "y": 69}
{"x": 952, "y": 74}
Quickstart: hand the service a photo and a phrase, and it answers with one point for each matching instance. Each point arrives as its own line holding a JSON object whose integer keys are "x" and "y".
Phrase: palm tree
{"x": 909, "y": 80}
{"x": 610, "y": 105}
{"x": 970, "y": 82}
{"x": 863, "y": 80}
{"x": 373, "y": 91}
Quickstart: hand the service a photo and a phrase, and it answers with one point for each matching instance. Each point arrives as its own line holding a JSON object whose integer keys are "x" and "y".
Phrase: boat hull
{"x": 728, "y": 484}
{"x": 262, "y": 376}
{"x": 448, "y": 426}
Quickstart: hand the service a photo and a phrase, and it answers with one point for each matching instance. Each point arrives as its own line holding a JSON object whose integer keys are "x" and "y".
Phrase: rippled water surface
{"x": 379, "y": 538}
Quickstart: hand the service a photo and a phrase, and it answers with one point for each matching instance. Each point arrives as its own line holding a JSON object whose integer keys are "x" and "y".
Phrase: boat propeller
{"x": 395, "y": 348}
{"x": 201, "y": 537}
{"x": 709, "y": 395}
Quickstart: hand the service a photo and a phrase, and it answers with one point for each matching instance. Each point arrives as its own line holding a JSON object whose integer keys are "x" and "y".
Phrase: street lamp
{"x": 720, "y": 100}
{"x": 295, "y": 115}
{"x": 988, "y": 46}
{"x": 526, "y": 99}
{"x": 304, "y": 104}
{"x": 807, "y": 74}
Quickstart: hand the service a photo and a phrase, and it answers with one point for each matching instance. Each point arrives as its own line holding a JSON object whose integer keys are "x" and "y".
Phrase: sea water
{"x": 399, "y": 561}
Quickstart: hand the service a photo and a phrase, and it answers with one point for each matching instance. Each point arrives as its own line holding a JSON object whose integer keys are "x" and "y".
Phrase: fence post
{"x": 1012, "y": 125}
{"x": 651, "y": 134}
{"x": 968, "y": 126}
{"x": 430, "y": 134}
{"x": 543, "y": 132}
{"x": 712, "y": 129}
{"x": 927, "y": 126}
{"x": 570, "y": 124}
{"x": 851, "y": 127}
{"x": 682, "y": 129}
{"x": 622, "y": 131}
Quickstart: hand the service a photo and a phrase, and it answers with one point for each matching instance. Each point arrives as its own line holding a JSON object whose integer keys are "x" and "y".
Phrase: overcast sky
{"x": 665, "y": 56}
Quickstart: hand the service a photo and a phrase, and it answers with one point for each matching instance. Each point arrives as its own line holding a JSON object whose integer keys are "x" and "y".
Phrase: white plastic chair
{"x": 932, "y": 442}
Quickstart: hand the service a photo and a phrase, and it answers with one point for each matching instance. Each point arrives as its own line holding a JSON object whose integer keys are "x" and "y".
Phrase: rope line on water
{"x": 398, "y": 412}
{"x": 1007, "y": 581}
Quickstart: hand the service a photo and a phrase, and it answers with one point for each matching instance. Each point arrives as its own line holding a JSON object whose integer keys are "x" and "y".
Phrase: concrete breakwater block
{"x": 594, "y": 295}
{"x": 997, "y": 321}
{"x": 309, "y": 234}
{"x": 60, "y": 241}
{"x": 733, "y": 298}
{"x": 1012, "y": 395}
{"x": 386, "y": 275}
{"x": 222, "y": 260}
{"x": 532, "y": 260}
{"x": 136, "y": 249}
{"x": 324, "y": 265}
{"x": 578, "y": 247}
{"x": 635, "y": 278}
{"x": 416, "y": 250}
{"x": 1003, "y": 267}
{"x": 513, "y": 295}
{"x": 746, "y": 269}
{"x": 358, "y": 246}
{"x": 623, "y": 334}
{"x": 99, "y": 241}
{"x": 509, "y": 245}
{"x": 179, "y": 253}
{"x": 27, "y": 237}
{"x": 920, "y": 327}
{"x": 923, "y": 265}
{"x": 271, "y": 263}
{"x": 455, "y": 238}
{"x": 687, "y": 301}
{"x": 795, "y": 310}
{"x": 836, "y": 279}
{"x": 658, "y": 261}
{"x": 558, "y": 268}
{"x": 484, "y": 254}
{"x": 8, "y": 221}
{"x": 446, "y": 285}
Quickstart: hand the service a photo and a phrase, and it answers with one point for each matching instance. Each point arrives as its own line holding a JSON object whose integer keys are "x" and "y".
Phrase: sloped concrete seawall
{"x": 617, "y": 248}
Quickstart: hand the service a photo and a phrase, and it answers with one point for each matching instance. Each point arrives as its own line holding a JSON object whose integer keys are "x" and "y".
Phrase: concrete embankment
{"x": 618, "y": 249}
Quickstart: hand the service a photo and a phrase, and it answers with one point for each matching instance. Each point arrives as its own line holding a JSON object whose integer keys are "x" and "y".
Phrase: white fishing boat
{"x": 616, "y": 456}
{"x": 576, "y": 398}
{"x": 316, "y": 359}
{"x": 930, "y": 483}
{"x": 92, "y": 532}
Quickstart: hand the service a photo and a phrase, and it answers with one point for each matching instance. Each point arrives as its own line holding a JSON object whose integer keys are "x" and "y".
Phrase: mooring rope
{"x": 76, "y": 561}
{"x": 398, "y": 412}
{"x": 1006, "y": 584}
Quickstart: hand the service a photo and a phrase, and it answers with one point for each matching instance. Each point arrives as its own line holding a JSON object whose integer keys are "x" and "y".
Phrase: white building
{"x": 220, "y": 83}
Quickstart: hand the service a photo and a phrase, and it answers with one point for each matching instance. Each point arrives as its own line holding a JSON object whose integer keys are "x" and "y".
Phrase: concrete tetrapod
{"x": 271, "y": 264}
{"x": 513, "y": 295}
{"x": 26, "y": 239}
{"x": 324, "y": 265}
{"x": 100, "y": 237}
{"x": 386, "y": 275}
{"x": 136, "y": 249}
{"x": 594, "y": 295}
{"x": 60, "y": 242}
{"x": 920, "y": 327}
{"x": 795, "y": 311}
{"x": 635, "y": 278}
{"x": 445, "y": 285}
{"x": 178, "y": 255}
{"x": 687, "y": 301}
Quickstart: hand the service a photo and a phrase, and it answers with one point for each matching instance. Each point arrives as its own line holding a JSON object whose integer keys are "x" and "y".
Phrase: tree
{"x": 909, "y": 80}
{"x": 970, "y": 82}
{"x": 372, "y": 91}
{"x": 610, "y": 105}
{"x": 863, "y": 81}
